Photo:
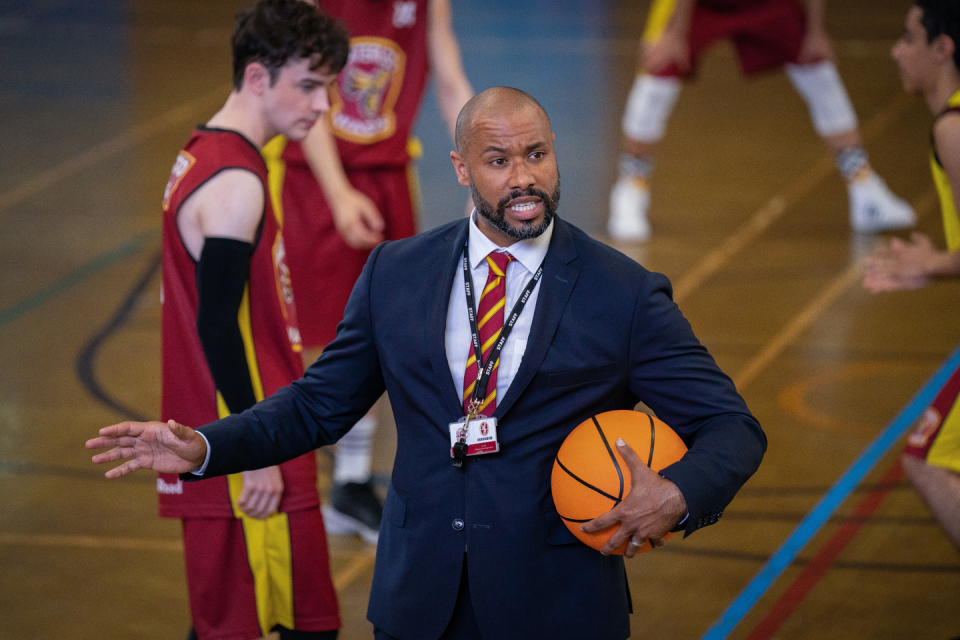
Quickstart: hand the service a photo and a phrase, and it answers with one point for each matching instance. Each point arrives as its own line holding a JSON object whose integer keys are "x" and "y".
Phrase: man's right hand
{"x": 167, "y": 447}
{"x": 357, "y": 219}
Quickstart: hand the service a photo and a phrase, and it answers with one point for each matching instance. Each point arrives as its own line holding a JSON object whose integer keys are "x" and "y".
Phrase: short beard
{"x": 527, "y": 230}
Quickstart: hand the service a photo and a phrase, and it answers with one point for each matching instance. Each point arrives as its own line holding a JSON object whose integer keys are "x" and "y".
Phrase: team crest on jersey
{"x": 925, "y": 427}
{"x": 180, "y": 167}
{"x": 285, "y": 292}
{"x": 404, "y": 14}
{"x": 367, "y": 91}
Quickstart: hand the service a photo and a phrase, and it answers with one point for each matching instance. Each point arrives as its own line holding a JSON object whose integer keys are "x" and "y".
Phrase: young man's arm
{"x": 219, "y": 223}
{"x": 446, "y": 65}
{"x": 356, "y": 216}
{"x": 912, "y": 264}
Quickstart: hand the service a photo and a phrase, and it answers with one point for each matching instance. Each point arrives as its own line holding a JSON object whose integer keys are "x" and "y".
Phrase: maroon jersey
{"x": 267, "y": 319}
{"x": 378, "y": 93}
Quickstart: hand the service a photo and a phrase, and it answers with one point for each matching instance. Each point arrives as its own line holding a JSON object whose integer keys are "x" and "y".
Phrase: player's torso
{"x": 267, "y": 315}
{"x": 948, "y": 206}
{"x": 378, "y": 93}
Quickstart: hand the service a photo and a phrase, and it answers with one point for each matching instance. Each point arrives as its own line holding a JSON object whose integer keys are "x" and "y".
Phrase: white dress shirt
{"x": 528, "y": 255}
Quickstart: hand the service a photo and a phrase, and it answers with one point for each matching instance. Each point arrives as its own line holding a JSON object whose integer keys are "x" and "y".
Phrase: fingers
{"x": 258, "y": 504}
{"x": 127, "y": 467}
{"x": 634, "y": 463}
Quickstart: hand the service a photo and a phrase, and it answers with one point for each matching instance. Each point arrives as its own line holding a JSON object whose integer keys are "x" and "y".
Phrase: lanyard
{"x": 484, "y": 369}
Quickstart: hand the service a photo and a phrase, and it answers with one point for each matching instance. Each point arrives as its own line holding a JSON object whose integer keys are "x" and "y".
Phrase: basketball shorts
{"x": 935, "y": 437}
{"x": 766, "y": 35}
{"x": 241, "y": 583}
{"x": 323, "y": 267}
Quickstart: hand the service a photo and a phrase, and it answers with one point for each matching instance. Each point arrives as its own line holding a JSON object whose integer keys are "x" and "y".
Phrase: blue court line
{"x": 788, "y": 552}
{"x": 77, "y": 276}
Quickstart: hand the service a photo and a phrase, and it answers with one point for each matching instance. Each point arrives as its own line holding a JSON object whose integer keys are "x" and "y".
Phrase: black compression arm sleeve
{"x": 222, "y": 275}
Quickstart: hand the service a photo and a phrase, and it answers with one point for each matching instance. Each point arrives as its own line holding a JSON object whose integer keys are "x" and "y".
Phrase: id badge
{"x": 481, "y": 436}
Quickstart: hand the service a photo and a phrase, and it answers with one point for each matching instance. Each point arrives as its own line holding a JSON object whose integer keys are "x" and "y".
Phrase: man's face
{"x": 509, "y": 160}
{"x": 916, "y": 58}
{"x": 298, "y": 98}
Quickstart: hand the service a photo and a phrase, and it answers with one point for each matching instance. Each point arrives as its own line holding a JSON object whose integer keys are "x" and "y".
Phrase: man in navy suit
{"x": 478, "y": 550}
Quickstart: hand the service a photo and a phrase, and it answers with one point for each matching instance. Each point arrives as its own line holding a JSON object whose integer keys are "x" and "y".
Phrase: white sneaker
{"x": 629, "y": 202}
{"x": 873, "y": 207}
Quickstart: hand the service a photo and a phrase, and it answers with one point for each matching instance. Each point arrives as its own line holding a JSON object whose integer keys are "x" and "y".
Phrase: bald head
{"x": 493, "y": 102}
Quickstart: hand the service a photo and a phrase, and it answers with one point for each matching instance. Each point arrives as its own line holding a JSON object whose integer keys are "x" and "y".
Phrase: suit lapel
{"x": 437, "y": 323}
{"x": 555, "y": 288}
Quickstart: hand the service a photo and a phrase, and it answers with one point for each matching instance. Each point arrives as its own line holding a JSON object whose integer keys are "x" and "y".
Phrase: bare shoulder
{"x": 229, "y": 205}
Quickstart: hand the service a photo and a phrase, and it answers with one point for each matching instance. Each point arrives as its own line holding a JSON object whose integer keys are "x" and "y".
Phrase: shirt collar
{"x": 529, "y": 253}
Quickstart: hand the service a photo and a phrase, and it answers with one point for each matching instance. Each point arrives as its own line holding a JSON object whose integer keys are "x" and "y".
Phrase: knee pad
{"x": 821, "y": 87}
{"x": 649, "y": 106}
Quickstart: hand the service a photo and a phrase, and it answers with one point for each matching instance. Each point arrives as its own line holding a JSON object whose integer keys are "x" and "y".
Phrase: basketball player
{"x": 766, "y": 34}
{"x": 929, "y": 60}
{"x": 255, "y": 547}
{"x": 343, "y": 194}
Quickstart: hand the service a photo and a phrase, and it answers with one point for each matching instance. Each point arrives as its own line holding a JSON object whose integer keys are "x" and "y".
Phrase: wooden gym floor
{"x": 750, "y": 224}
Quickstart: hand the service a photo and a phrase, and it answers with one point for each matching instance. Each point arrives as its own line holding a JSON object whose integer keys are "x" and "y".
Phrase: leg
{"x": 649, "y": 105}
{"x": 940, "y": 489}
{"x": 873, "y": 207}
{"x": 354, "y": 507}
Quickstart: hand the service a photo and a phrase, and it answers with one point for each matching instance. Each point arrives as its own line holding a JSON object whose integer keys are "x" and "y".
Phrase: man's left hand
{"x": 652, "y": 508}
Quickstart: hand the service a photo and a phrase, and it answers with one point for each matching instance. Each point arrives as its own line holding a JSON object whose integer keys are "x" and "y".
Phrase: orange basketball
{"x": 589, "y": 476}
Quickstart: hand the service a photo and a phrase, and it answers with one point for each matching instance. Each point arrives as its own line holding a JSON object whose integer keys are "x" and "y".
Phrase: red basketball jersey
{"x": 378, "y": 93}
{"x": 267, "y": 319}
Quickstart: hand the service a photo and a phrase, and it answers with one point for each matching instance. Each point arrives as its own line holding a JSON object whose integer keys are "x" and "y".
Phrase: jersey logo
{"x": 180, "y": 167}
{"x": 404, "y": 14}
{"x": 169, "y": 488}
{"x": 367, "y": 91}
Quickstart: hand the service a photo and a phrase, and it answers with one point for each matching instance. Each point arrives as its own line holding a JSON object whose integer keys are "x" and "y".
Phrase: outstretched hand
{"x": 651, "y": 509}
{"x": 168, "y": 447}
{"x": 900, "y": 265}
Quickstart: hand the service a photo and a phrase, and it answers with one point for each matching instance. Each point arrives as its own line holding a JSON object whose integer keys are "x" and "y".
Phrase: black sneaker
{"x": 353, "y": 508}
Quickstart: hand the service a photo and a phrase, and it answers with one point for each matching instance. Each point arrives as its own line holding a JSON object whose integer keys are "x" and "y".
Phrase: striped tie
{"x": 490, "y": 321}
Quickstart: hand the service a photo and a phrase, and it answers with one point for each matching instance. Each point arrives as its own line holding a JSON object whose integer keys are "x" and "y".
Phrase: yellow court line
{"x": 852, "y": 275}
{"x": 362, "y": 561}
{"x": 770, "y": 212}
{"x": 185, "y": 113}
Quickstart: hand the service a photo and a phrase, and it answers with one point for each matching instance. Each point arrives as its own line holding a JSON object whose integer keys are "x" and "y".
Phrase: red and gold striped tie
{"x": 490, "y": 314}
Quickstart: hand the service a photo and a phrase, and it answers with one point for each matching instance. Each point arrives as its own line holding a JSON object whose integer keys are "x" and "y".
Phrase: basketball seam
{"x": 653, "y": 438}
{"x": 613, "y": 458}
{"x": 586, "y": 484}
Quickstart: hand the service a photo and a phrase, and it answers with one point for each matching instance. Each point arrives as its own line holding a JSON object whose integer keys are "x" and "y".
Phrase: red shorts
{"x": 766, "y": 35}
{"x": 240, "y": 587}
{"x": 935, "y": 437}
{"x": 322, "y": 267}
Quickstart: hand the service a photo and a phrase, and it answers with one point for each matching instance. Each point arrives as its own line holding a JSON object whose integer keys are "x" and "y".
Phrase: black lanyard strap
{"x": 485, "y": 369}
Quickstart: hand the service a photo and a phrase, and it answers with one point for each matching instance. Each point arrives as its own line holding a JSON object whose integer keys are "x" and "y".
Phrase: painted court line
{"x": 185, "y": 113}
{"x": 78, "y": 275}
{"x": 815, "y": 520}
{"x": 778, "y": 204}
{"x": 358, "y": 564}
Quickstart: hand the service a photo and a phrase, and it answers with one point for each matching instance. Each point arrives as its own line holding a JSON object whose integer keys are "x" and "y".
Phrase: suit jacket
{"x": 606, "y": 334}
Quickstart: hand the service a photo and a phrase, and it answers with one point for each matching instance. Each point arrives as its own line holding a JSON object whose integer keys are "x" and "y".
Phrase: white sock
{"x": 354, "y": 452}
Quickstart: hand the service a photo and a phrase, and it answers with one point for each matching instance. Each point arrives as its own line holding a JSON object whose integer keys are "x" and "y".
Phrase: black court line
{"x": 86, "y": 361}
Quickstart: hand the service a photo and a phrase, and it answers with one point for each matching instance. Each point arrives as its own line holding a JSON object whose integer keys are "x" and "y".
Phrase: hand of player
{"x": 652, "y": 508}
{"x": 162, "y": 446}
{"x": 670, "y": 49}
{"x": 262, "y": 490}
{"x": 816, "y": 47}
{"x": 900, "y": 265}
{"x": 357, "y": 219}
